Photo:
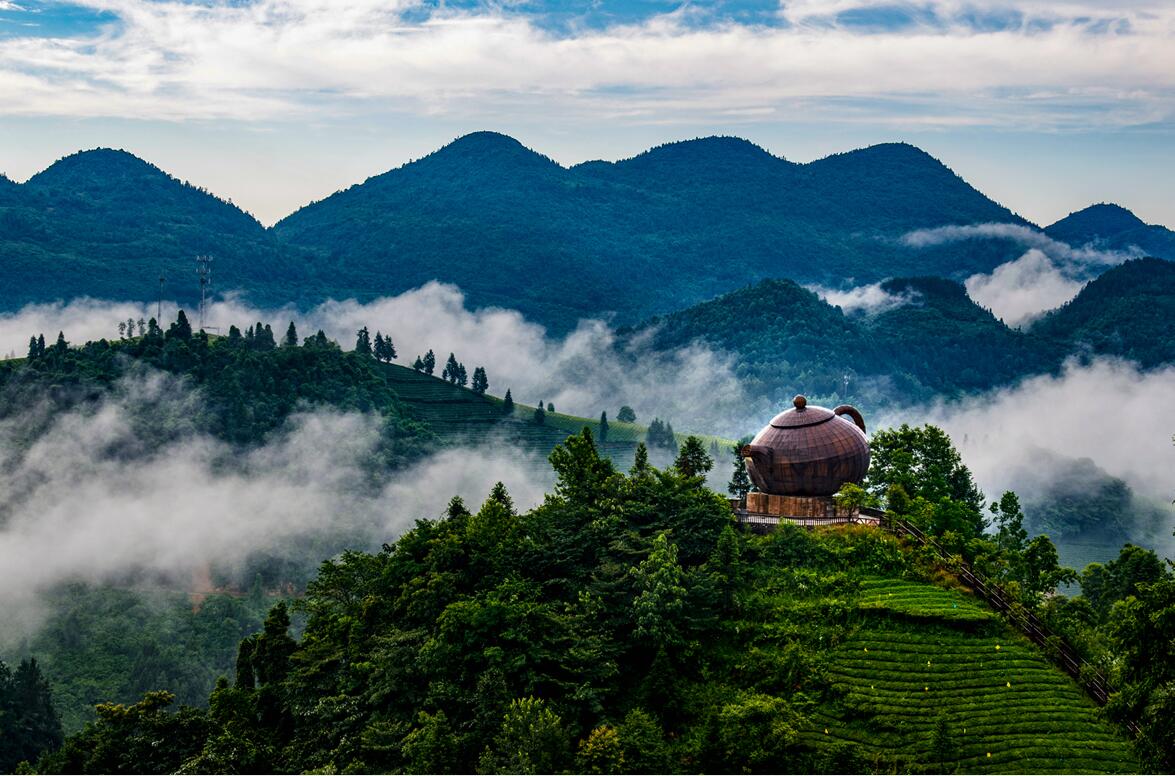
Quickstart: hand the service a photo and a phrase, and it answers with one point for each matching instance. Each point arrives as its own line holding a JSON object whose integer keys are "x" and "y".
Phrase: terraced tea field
{"x": 931, "y": 676}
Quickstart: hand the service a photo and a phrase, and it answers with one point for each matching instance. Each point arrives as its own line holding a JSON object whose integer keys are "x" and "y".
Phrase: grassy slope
{"x": 460, "y": 416}
{"x": 921, "y": 653}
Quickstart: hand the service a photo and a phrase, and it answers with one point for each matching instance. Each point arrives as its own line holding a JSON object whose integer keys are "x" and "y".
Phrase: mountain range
{"x": 676, "y": 225}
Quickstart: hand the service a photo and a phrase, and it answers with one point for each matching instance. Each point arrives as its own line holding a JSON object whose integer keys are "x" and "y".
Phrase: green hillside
{"x": 1112, "y": 227}
{"x": 1128, "y": 311}
{"x": 786, "y": 339}
{"x": 106, "y": 224}
{"x": 933, "y": 677}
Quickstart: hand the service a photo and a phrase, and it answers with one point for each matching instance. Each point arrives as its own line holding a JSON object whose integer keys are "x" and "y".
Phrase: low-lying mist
{"x": 584, "y": 373}
{"x": 88, "y": 501}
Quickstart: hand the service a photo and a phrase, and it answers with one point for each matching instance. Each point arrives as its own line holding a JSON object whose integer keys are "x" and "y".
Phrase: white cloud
{"x": 88, "y": 501}
{"x": 1020, "y": 291}
{"x": 870, "y": 299}
{"x": 1049, "y": 274}
{"x": 1107, "y": 410}
{"x": 285, "y": 58}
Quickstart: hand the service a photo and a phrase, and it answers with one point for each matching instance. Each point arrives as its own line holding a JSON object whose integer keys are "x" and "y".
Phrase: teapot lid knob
{"x": 800, "y": 401}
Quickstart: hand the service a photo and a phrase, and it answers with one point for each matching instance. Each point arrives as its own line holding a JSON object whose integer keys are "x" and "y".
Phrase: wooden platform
{"x": 762, "y": 511}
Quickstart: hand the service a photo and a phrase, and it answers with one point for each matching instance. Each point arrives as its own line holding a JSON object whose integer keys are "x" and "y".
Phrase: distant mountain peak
{"x": 725, "y": 149}
{"x": 484, "y": 144}
{"x": 97, "y": 166}
{"x": 1104, "y": 219}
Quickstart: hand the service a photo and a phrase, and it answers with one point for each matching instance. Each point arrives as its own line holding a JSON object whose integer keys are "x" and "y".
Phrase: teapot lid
{"x": 801, "y": 415}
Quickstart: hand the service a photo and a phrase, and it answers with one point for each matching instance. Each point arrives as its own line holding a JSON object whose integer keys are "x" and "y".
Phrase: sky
{"x": 1047, "y": 106}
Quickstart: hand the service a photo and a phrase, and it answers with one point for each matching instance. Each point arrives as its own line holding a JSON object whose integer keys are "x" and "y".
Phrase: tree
{"x": 377, "y": 346}
{"x": 363, "y": 342}
{"x": 740, "y": 481}
{"x": 181, "y": 329}
{"x": 480, "y": 382}
{"x": 660, "y": 435}
{"x": 61, "y": 347}
{"x": 1009, "y": 520}
{"x": 34, "y": 350}
{"x": 430, "y": 362}
{"x": 550, "y": 407}
{"x": 540, "y": 415}
{"x": 142, "y": 327}
{"x": 452, "y": 370}
{"x": 384, "y": 350}
{"x": 1042, "y": 568}
{"x": 626, "y": 415}
{"x": 29, "y": 724}
{"x": 601, "y": 751}
{"x": 418, "y": 364}
{"x": 604, "y": 426}
{"x": 531, "y": 739}
{"x": 640, "y": 461}
{"x": 121, "y": 330}
{"x": 693, "y": 461}
{"x": 462, "y": 377}
{"x": 291, "y": 338}
{"x": 508, "y": 404}
{"x": 660, "y": 604}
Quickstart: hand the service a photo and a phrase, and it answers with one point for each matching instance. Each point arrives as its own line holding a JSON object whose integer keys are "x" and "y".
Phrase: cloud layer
{"x": 1022, "y": 63}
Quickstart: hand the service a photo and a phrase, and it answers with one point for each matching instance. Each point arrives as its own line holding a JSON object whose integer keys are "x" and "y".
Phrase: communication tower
{"x": 204, "y": 270}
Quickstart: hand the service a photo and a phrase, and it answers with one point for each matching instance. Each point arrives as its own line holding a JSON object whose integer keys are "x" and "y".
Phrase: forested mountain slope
{"x": 106, "y": 224}
{"x": 1128, "y": 311}
{"x": 700, "y": 216}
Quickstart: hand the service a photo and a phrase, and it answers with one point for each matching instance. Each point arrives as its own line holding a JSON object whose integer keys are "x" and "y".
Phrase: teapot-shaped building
{"x": 800, "y": 460}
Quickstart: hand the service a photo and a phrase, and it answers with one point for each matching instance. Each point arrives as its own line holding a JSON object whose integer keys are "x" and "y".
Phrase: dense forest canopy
{"x": 627, "y": 624}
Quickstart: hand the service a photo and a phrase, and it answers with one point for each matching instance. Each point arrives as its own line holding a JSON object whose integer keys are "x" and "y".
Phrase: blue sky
{"x": 1046, "y": 105}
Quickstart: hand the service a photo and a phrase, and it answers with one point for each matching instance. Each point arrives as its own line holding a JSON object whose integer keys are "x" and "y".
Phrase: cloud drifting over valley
{"x": 1106, "y": 410}
{"x": 90, "y": 502}
{"x": 584, "y": 373}
{"x": 1046, "y": 276}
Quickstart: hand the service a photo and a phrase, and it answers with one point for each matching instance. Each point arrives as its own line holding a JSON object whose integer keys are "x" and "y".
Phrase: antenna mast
{"x": 204, "y": 270}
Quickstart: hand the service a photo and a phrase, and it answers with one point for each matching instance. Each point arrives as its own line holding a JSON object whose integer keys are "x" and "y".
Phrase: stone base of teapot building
{"x": 764, "y": 511}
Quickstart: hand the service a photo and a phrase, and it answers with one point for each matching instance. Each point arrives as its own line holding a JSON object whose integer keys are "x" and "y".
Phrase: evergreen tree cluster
{"x": 660, "y": 435}
{"x": 29, "y": 725}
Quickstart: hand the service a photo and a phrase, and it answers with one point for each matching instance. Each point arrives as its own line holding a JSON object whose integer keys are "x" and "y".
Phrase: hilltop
{"x": 1113, "y": 227}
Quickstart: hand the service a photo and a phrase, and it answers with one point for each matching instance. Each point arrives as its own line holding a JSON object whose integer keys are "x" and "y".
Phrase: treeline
{"x": 248, "y": 382}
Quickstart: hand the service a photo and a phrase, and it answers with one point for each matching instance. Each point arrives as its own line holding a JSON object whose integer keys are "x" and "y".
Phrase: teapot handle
{"x": 851, "y": 411}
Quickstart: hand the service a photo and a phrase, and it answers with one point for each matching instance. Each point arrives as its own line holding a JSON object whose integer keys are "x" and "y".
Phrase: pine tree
{"x": 501, "y": 496}
{"x": 40, "y": 344}
{"x": 181, "y": 329}
{"x": 291, "y": 339}
{"x": 693, "y": 461}
{"x": 430, "y": 362}
{"x": 389, "y": 350}
{"x": 640, "y": 463}
{"x": 462, "y": 377}
{"x": 480, "y": 383}
{"x": 604, "y": 426}
{"x": 740, "y": 481}
{"x": 540, "y": 415}
{"x": 363, "y": 342}
{"x": 265, "y": 339}
{"x": 418, "y": 365}
{"x": 61, "y": 347}
{"x": 508, "y": 404}
{"x": 33, "y": 352}
{"x": 451, "y": 372}
{"x": 234, "y": 334}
